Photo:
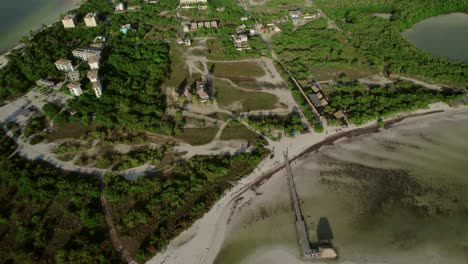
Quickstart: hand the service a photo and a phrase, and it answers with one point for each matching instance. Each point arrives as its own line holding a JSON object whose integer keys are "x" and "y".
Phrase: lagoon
{"x": 444, "y": 36}
{"x": 19, "y": 17}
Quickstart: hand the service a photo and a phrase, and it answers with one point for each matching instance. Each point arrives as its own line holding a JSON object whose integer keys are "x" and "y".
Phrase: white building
{"x": 93, "y": 76}
{"x": 64, "y": 65}
{"x": 120, "y": 7}
{"x": 44, "y": 83}
{"x": 75, "y": 88}
{"x": 187, "y": 2}
{"x": 85, "y": 54}
{"x": 69, "y": 21}
{"x": 74, "y": 75}
{"x": 241, "y": 41}
{"x": 97, "y": 88}
{"x": 93, "y": 63}
{"x": 91, "y": 20}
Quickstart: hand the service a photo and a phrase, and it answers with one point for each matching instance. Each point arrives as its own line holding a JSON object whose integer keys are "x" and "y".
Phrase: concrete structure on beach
{"x": 308, "y": 253}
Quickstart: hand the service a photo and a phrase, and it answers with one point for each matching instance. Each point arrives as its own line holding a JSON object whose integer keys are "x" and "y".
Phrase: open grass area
{"x": 322, "y": 73}
{"x": 70, "y": 130}
{"x": 236, "y": 130}
{"x": 198, "y": 136}
{"x": 178, "y": 70}
{"x": 220, "y": 116}
{"x": 237, "y": 69}
{"x": 234, "y": 99}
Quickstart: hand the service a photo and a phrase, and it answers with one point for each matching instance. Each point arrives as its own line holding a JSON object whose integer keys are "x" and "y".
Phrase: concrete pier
{"x": 306, "y": 251}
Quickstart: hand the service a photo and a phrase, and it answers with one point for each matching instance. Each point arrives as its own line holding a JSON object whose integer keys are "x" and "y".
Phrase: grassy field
{"x": 322, "y": 73}
{"x": 237, "y": 69}
{"x": 70, "y": 130}
{"x": 220, "y": 116}
{"x": 178, "y": 70}
{"x": 236, "y": 130}
{"x": 198, "y": 136}
{"x": 231, "y": 98}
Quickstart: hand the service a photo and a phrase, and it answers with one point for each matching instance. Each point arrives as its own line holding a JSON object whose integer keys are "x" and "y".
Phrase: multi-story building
{"x": 91, "y": 19}
{"x": 97, "y": 88}
{"x": 187, "y": 2}
{"x": 85, "y": 54}
{"x": 93, "y": 63}
{"x": 64, "y": 65}
{"x": 75, "y": 88}
{"x": 74, "y": 76}
{"x": 93, "y": 76}
{"x": 69, "y": 21}
{"x": 44, "y": 83}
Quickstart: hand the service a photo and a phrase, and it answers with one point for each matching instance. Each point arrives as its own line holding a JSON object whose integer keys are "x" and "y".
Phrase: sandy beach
{"x": 202, "y": 242}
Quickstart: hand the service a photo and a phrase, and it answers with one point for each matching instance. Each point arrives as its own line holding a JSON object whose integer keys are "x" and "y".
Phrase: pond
{"x": 444, "y": 36}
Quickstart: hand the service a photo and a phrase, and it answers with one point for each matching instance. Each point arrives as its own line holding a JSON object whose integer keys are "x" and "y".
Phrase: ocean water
{"x": 398, "y": 196}
{"x": 19, "y": 17}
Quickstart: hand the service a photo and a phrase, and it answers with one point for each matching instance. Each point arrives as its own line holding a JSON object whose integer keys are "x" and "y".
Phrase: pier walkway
{"x": 306, "y": 250}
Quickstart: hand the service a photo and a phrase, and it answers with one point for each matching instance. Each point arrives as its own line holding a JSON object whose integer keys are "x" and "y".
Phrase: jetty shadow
{"x": 324, "y": 230}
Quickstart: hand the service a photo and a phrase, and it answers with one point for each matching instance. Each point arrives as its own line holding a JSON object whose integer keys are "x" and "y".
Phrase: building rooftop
{"x": 90, "y": 15}
{"x": 69, "y": 16}
{"x": 63, "y": 62}
{"x": 93, "y": 60}
{"x": 74, "y": 85}
{"x": 339, "y": 114}
{"x": 92, "y": 74}
{"x": 324, "y": 102}
{"x": 314, "y": 99}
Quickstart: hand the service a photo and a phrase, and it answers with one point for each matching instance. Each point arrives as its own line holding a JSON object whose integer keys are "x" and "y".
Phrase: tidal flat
{"x": 397, "y": 196}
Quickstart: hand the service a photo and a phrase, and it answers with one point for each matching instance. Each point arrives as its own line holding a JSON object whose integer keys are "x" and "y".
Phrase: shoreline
{"x": 202, "y": 242}
{"x": 38, "y": 28}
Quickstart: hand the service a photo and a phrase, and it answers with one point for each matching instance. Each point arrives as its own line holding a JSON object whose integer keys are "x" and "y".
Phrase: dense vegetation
{"x": 371, "y": 104}
{"x": 312, "y": 49}
{"x": 132, "y": 97}
{"x": 382, "y": 44}
{"x": 150, "y": 211}
{"x": 48, "y": 215}
{"x": 289, "y": 125}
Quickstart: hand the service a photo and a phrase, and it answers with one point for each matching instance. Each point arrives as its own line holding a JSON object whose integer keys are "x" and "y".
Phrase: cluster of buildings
{"x": 297, "y": 16}
{"x": 241, "y": 41}
{"x": 92, "y": 56}
{"x": 187, "y": 42}
{"x": 187, "y": 4}
{"x": 318, "y": 100}
{"x": 201, "y": 89}
{"x": 201, "y": 24}
{"x": 70, "y": 20}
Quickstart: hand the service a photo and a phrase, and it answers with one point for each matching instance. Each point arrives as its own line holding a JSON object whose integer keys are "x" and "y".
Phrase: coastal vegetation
{"x": 48, "y": 215}
{"x": 151, "y": 210}
{"x": 313, "y": 48}
{"x": 382, "y": 44}
{"x": 267, "y": 125}
{"x": 373, "y": 103}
